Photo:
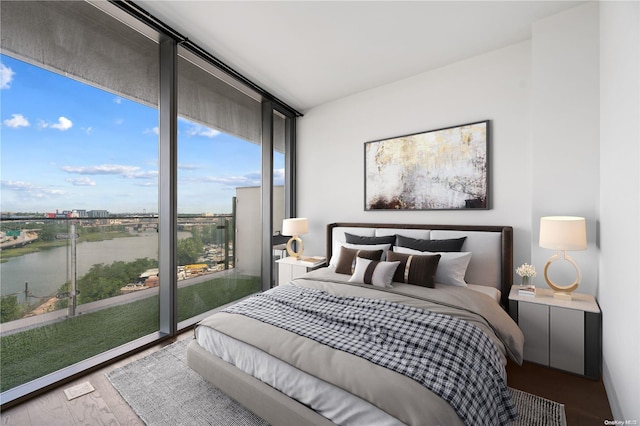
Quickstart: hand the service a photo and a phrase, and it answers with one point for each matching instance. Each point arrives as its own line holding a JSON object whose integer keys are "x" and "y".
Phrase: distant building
{"x": 58, "y": 215}
{"x": 98, "y": 213}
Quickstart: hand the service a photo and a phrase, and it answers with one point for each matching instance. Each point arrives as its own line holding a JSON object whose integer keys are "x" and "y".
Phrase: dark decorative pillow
{"x": 347, "y": 260}
{"x": 415, "y": 269}
{"x": 454, "y": 244}
{"x": 358, "y": 239}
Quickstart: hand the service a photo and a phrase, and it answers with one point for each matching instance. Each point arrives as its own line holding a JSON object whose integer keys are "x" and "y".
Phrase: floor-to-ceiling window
{"x": 219, "y": 187}
{"x": 86, "y": 191}
{"x": 79, "y": 188}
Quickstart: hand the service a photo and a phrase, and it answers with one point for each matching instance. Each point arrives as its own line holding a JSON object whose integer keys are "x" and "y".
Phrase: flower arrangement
{"x": 527, "y": 272}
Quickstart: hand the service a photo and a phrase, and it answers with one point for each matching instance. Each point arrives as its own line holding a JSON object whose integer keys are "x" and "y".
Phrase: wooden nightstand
{"x": 563, "y": 334}
{"x": 290, "y": 268}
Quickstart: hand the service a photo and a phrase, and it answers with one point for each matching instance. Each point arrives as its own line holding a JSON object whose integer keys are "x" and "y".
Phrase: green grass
{"x": 199, "y": 298}
{"x": 31, "y": 354}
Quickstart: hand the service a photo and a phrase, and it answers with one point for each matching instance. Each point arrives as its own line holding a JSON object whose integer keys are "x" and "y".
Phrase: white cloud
{"x": 16, "y": 121}
{"x": 118, "y": 100}
{"x": 154, "y": 131}
{"x": 153, "y": 174}
{"x": 103, "y": 169}
{"x": 130, "y": 172}
{"x": 278, "y": 176}
{"x": 29, "y": 190}
{"x": 88, "y": 130}
{"x": 249, "y": 179}
{"x": 196, "y": 130}
{"x": 63, "y": 124}
{"x": 6, "y": 76}
{"x": 85, "y": 181}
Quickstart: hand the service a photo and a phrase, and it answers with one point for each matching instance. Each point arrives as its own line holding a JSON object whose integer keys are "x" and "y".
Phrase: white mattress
{"x": 337, "y": 405}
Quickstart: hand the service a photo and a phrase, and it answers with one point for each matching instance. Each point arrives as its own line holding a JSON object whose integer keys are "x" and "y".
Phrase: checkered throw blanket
{"x": 452, "y": 358}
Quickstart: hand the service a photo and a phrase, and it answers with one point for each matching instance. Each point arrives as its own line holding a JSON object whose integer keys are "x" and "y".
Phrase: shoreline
{"x": 48, "y": 306}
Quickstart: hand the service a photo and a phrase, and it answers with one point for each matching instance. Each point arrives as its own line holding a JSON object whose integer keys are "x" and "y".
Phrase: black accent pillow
{"x": 454, "y": 244}
{"x": 347, "y": 260}
{"x": 415, "y": 269}
{"x": 359, "y": 239}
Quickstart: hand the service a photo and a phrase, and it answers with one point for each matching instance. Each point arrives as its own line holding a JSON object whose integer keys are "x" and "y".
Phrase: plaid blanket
{"x": 452, "y": 358}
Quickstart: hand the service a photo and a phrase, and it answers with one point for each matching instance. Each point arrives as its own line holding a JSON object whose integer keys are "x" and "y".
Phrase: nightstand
{"x": 290, "y": 268}
{"x": 563, "y": 334}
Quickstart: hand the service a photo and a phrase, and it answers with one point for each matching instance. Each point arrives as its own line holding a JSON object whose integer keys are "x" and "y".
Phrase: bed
{"x": 356, "y": 342}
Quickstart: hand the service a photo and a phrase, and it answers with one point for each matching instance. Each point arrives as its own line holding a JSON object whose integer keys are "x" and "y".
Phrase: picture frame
{"x": 442, "y": 169}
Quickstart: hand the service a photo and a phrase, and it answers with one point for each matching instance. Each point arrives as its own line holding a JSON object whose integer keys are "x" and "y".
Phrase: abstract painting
{"x": 444, "y": 169}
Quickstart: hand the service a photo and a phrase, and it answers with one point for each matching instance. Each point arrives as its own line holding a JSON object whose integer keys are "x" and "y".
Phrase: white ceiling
{"x": 307, "y": 53}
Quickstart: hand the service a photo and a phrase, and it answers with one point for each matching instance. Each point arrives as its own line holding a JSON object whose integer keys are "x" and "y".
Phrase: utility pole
{"x": 73, "y": 303}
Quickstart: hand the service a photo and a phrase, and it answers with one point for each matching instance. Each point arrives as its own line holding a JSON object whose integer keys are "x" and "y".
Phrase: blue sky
{"x": 66, "y": 145}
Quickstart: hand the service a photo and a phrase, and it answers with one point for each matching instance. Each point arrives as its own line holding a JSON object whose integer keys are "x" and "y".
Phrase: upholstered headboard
{"x": 491, "y": 247}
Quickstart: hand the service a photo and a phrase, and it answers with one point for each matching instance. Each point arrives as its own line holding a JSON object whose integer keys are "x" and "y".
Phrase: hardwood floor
{"x": 585, "y": 400}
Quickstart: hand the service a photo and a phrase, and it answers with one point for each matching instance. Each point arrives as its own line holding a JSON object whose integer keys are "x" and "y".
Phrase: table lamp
{"x": 295, "y": 227}
{"x": 563, "y": 233}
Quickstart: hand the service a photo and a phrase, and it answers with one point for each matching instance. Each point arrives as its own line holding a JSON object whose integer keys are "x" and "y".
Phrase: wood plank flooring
{"x": 585, "y": 400}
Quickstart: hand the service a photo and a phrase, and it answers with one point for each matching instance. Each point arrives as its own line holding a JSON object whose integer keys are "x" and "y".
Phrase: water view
{"x": 111, "y": 257}
{"x": 45, "y": 271}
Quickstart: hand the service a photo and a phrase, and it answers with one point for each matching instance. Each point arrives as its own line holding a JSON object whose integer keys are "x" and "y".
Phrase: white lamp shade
{"x": 563, "y": 233}
{"x": 295, "y": 226}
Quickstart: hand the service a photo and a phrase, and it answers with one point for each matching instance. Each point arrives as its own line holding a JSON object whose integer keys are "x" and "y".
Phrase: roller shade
{"x": 77, "y": 39}
{"x": 278, "y": 133}
{"x": 205, "y": 99}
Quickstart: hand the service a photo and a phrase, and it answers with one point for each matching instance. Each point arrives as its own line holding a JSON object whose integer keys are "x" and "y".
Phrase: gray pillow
{"x": 359, "y": 239}
{"x": 454, "y": 244}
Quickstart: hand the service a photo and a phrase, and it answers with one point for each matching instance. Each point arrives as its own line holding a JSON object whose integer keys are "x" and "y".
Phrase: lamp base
{"x": 290, "y": 251}
{"x": 562, "y": 292}
{"x": 561, "y": 295}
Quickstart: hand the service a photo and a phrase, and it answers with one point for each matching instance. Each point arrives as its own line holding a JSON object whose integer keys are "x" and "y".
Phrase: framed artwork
{"x": 444, "y": 169}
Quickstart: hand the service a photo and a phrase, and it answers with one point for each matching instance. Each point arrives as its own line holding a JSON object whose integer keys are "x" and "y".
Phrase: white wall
{"x": 331, "y": 141}
{"x": 619, "y": 292}
{"x": 565, "y": 128}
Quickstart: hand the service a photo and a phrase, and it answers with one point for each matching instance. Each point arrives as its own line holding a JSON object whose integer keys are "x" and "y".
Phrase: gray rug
{"x": 163, "y": 390}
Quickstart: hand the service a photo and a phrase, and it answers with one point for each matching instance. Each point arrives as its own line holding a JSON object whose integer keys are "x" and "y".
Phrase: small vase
{"x": 525, "y": 281}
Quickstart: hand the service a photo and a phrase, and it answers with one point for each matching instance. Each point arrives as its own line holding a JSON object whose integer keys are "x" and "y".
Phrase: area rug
{"x": 163, "y": 390}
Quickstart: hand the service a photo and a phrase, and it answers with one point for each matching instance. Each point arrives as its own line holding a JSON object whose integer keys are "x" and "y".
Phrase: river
{"x": 47, "y": 270}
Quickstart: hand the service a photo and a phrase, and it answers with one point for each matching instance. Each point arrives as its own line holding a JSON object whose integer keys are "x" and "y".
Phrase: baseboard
{"x": 611, "y": 392}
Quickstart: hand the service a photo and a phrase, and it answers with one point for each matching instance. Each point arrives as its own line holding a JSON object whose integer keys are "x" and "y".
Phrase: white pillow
{"x": 451, "y": 268}
{"x": 336, "y": 255}
{"x": 382, "y": 272}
